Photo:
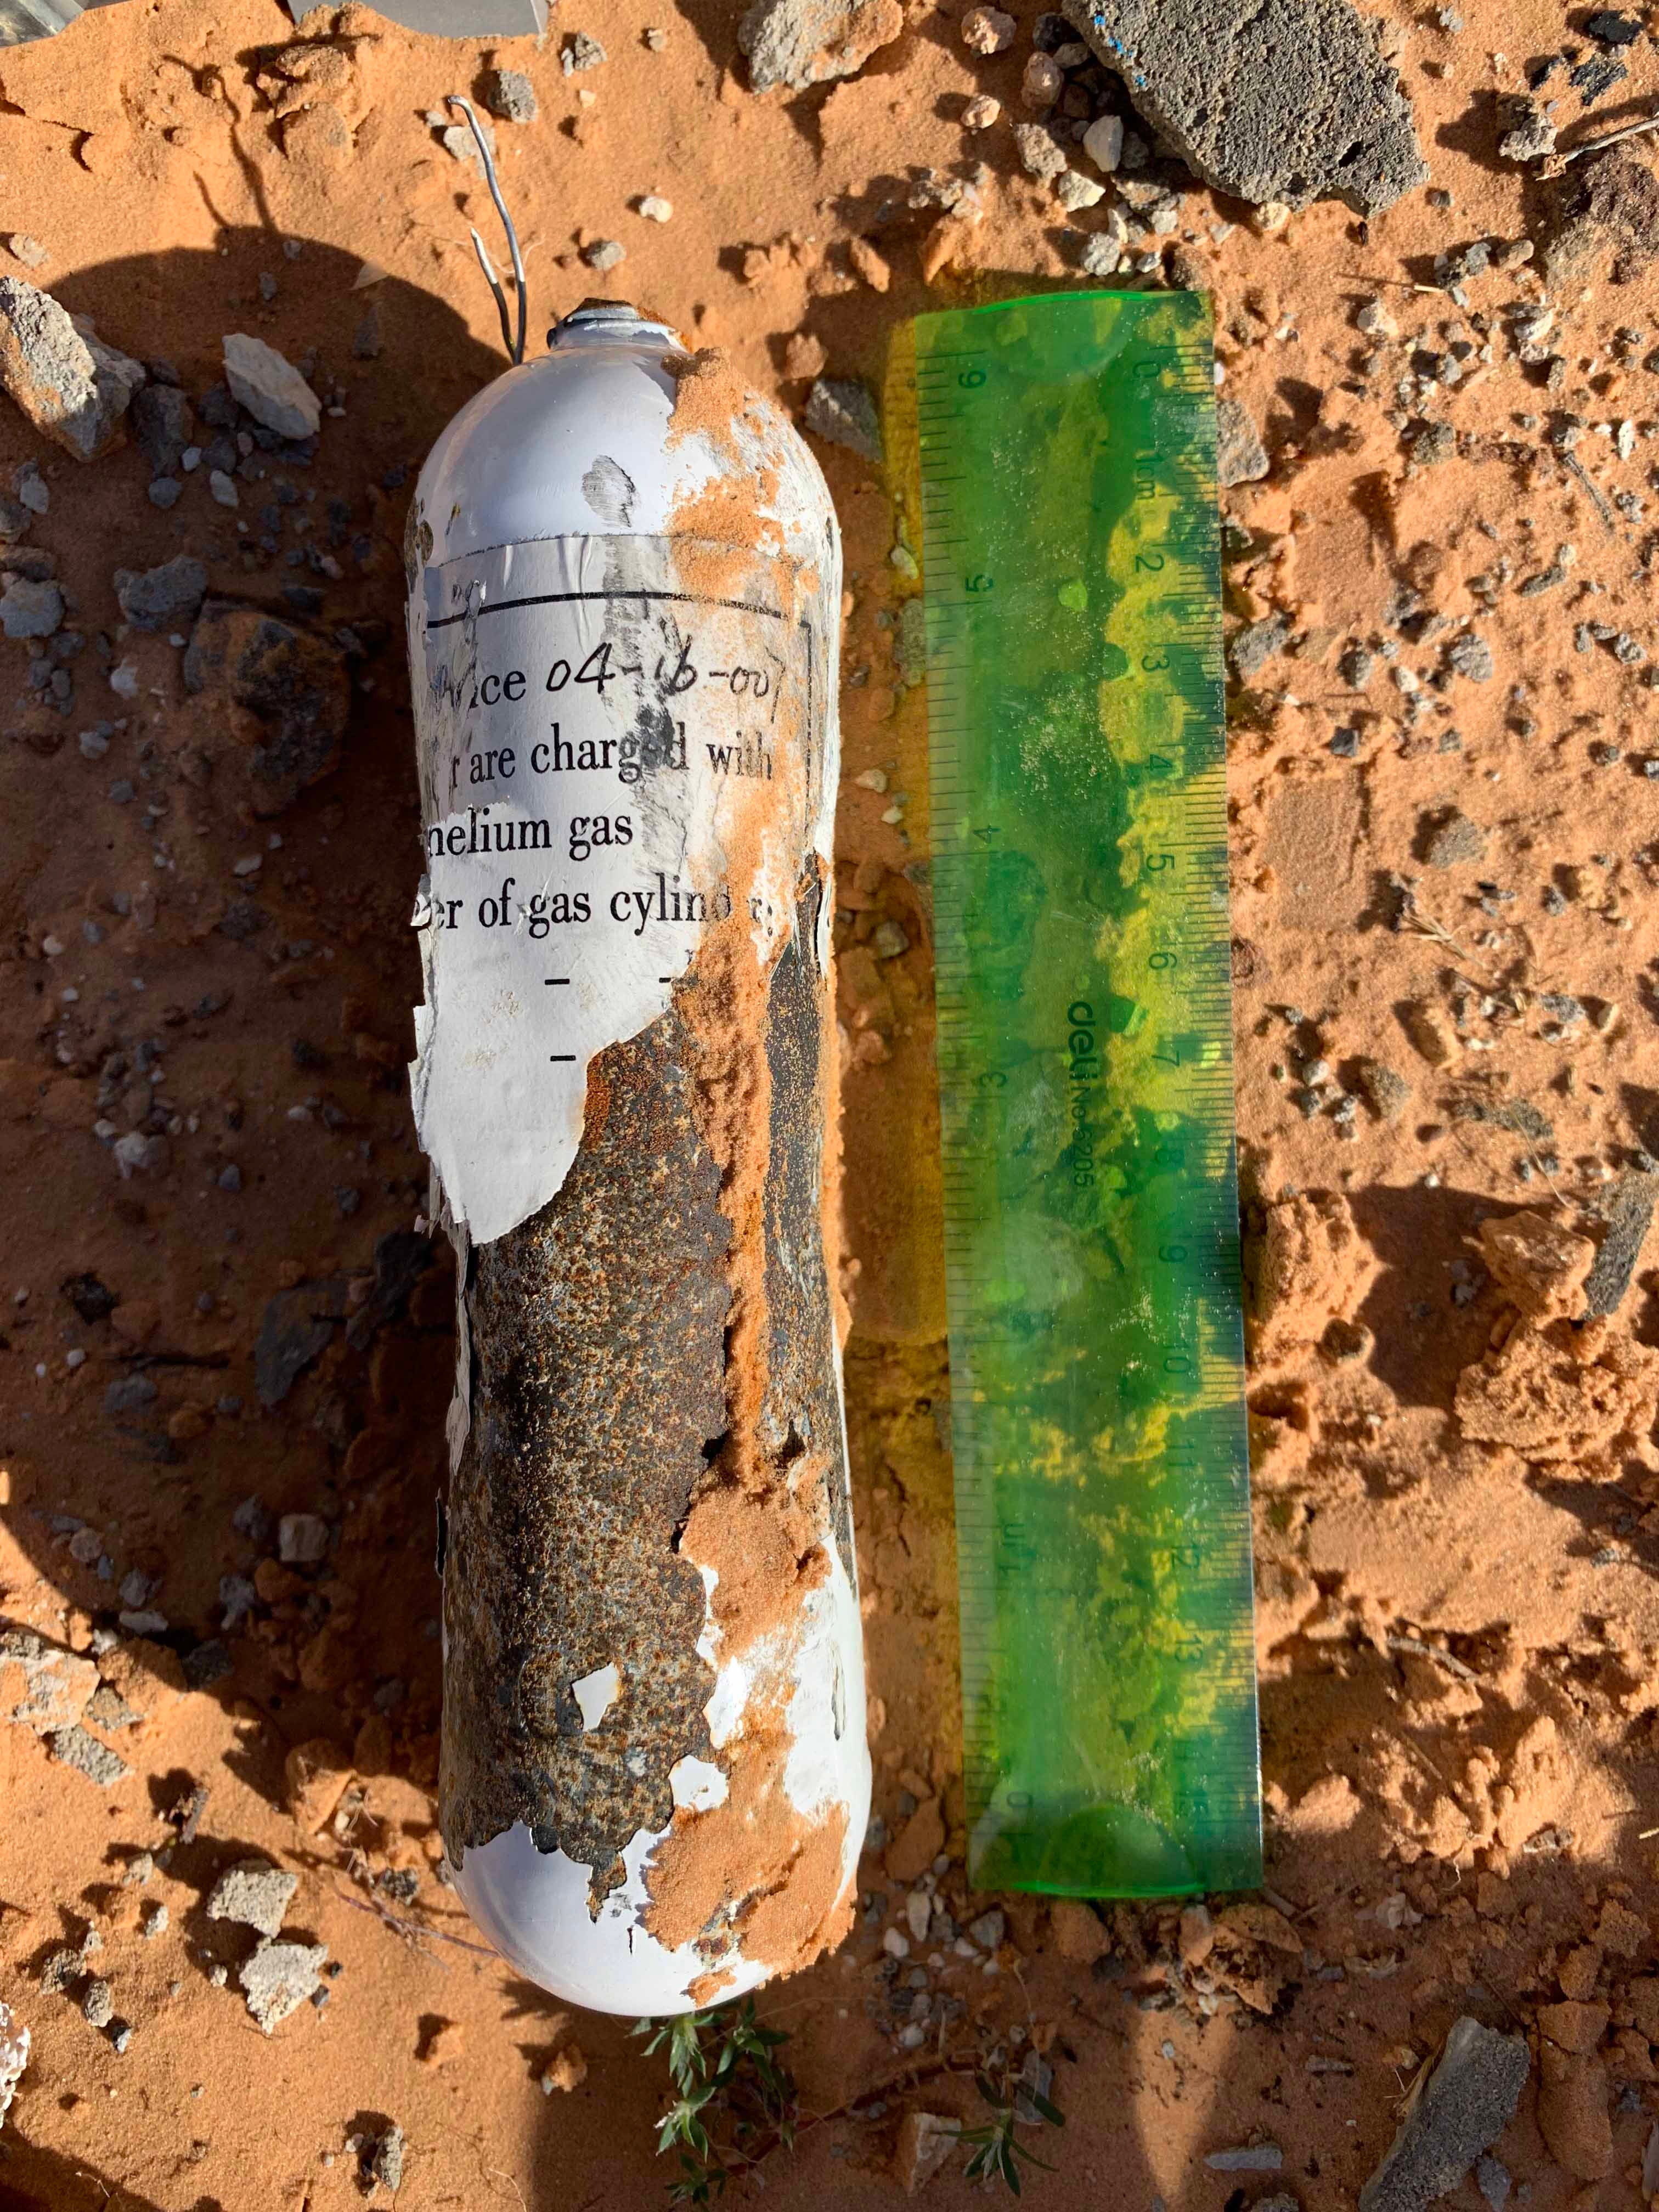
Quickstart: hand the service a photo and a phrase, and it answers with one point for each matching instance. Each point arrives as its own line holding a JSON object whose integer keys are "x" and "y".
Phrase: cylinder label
{"x": 616, "y": 741}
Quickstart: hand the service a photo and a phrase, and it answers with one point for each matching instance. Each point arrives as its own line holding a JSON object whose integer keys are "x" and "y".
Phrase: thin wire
{"x": 514, "y": 346}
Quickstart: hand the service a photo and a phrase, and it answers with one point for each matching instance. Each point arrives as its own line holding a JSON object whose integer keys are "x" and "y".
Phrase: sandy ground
{"x": 1456, "y": 1525}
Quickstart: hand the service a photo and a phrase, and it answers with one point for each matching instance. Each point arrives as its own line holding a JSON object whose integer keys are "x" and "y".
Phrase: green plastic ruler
{"x": 1062, "y": 468}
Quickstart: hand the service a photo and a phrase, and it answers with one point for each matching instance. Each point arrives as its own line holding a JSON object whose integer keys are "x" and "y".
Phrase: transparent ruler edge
{"x": 1201, "y": 796}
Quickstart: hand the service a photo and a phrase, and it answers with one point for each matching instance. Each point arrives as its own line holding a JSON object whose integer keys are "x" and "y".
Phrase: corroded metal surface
{"x": 599, "y": 1402}
{"x": 598, "y": 1331}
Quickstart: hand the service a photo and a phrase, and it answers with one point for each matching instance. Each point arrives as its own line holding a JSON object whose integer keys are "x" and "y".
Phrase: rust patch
{"x": 598, "y": 1329}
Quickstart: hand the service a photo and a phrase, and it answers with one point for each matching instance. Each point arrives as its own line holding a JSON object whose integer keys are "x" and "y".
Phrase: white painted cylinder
{"x": 566, "y": 489}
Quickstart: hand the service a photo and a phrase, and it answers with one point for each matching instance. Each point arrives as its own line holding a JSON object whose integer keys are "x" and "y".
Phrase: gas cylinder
{"x": 624, "y": 602}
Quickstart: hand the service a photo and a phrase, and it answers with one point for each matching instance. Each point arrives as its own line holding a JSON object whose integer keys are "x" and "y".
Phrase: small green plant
{"x": 997, "y": 2148}
{"x": 734, "y": 2101}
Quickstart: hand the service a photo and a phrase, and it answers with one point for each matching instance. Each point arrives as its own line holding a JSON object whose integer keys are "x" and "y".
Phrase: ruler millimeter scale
{"x": 1062, "y": 471}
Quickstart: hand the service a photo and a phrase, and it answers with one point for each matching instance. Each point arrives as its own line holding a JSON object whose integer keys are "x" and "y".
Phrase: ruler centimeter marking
{"x": 1060, "y": 458}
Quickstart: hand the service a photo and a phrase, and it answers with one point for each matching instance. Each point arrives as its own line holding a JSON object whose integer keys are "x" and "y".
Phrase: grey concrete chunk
{"x": 797, "y": 42}
{"x": 156, "y": 599}
{"x": 387, "y": 2164}
{"x": 253, "y": 1892}
{"x": 73, "y": 390}
{"x": 1041, "y": 154}
{"x": 841, "y": 409}
{"x": 1240, "y": 455}
{"x": 510, "y": 96}
{"x": 279, "y": 1978}
{"x": 1267, "y": 100}
{"x": 29, "y": 610}
{"x": 1257, "y": 643}
{"x": 73, "y": 1747}
{"x": 1464, "y": 2106}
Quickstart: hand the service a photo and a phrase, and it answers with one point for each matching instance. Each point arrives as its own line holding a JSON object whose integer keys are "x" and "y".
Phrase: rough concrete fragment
{"x": 1240, "y": 455}
{"x": 29, "y": 610}
{"x": 1471, "y": 657}
{"x": 1041, "y": 154}
{"x": 253, "y": 1892}
{"x": 386, "y": 2166}
{"x": 1629, "y": 1216}
{"x": 279, "y": 1978}
{"x": 510, "y": 96}
{"x": 1528, "y": 133}
{"x": 55, "y": 1684}
{"x": 62, "y": 1970}
{"x": 270, "y": 388}
{"x": 797, "y": 42}
{"x": 1075, "y": 193}
{"x": 155, "y": 598}
{"x": 73, "y": 1747}
{"x": 1462, "y": 2108}
{"x": 1284, "y": 100}
{"x": 71, "y": 388}
{"x": 841, "y": 409}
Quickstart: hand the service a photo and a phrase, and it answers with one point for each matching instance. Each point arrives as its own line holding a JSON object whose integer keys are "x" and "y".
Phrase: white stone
{"x": 272, "y": 389}
{"x": 1102, "y": 142}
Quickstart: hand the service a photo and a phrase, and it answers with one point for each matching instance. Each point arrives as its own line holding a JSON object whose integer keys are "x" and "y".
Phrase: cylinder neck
{"x": 608, "y": 322}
